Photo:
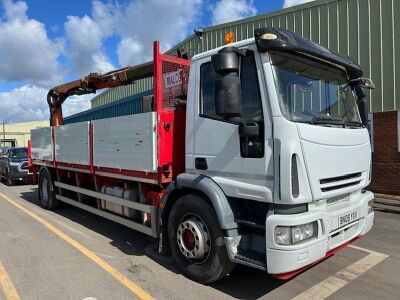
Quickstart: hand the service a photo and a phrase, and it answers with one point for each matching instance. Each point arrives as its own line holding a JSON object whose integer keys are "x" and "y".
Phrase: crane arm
{"x": 90, "y": 84}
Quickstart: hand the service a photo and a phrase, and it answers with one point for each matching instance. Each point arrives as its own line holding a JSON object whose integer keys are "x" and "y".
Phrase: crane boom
{"x": 90, "y": 84}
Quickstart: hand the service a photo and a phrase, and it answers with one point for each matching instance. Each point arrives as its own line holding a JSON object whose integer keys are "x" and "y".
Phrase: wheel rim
{"x": 193, "y": 239}
{"x": 44, "y": 190}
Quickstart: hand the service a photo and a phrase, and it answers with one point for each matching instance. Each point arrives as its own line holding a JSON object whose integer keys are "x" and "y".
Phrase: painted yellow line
{"x": 107, "y": 267}
{"x": 7, "y": 285}
{"x": 334, "y": 283}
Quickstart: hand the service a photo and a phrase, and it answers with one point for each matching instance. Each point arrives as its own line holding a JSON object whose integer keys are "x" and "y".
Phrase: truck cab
{"x": 293, "y": 160}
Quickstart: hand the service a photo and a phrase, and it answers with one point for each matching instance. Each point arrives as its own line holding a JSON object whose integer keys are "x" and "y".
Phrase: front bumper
{"x": 16, "y": 173}
{"x": 285, "y": 259}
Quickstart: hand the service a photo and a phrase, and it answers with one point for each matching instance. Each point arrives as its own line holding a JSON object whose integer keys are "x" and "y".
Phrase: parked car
{"x": 14, "y": 165}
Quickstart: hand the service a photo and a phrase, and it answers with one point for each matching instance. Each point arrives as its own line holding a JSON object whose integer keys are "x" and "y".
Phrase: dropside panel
{"x": 127, "y": 143}
{"x": 42, "y": 147}
{"x": 72, "y": 143}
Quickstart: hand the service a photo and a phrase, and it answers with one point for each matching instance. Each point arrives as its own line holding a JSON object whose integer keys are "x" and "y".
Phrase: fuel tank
{"x": 130, "y": 194}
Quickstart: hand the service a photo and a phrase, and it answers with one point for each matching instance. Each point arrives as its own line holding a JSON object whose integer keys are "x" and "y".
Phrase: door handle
{"x": 200, "y": 163}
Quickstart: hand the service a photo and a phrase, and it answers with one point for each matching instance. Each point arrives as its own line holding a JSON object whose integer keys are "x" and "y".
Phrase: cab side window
{"x": 207, "y": 91}
{"x": 251, "y": 98}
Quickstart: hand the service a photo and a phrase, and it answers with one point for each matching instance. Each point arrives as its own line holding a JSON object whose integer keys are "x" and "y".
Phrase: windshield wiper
{"x": 353, "y": 123}
{"x": 326, "y": 120}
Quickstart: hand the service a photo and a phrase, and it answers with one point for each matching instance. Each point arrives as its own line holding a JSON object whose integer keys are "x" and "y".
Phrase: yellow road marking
{"x": 7, "y": 285}
{"x": 333, "y": 283}
{"x": 107, "y": 267}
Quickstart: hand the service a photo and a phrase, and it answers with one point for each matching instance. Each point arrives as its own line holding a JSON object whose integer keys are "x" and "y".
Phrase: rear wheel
{"x": 197, "y": 241}
{"x": 47, "y": 195}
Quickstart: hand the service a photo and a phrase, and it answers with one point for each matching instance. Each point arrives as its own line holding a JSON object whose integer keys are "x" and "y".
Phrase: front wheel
{"x": 197, "y": 241}
{"x": 47, "y": 195}
{"x": 9, "y": 180}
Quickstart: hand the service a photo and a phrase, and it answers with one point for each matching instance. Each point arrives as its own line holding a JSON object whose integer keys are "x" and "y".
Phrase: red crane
{"x": 90, "y": 84}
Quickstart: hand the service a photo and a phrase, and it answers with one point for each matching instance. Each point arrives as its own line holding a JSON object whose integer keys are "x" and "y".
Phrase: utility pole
{"x": 4, "y": 133}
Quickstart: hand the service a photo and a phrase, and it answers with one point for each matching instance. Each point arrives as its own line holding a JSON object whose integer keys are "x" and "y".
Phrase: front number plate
{"x": 345, "y": 219}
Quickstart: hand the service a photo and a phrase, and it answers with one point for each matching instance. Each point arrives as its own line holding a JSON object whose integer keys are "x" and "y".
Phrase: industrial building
{"x": 366, "y": 30}
{"x": 18, "y": 134}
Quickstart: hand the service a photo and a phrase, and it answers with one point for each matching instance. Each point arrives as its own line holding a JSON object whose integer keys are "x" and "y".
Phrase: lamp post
{"x": 4, "y": 133}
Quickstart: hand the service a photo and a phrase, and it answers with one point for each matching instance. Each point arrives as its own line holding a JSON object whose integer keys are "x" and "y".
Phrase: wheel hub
{"x": 193, "y": 238}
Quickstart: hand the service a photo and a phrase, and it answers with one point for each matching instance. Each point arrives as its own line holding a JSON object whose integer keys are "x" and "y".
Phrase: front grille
{"x": 340, "y": 182}
{"x": 24, "y": 166}
{"x": 340, "y": 178}
{"x": 337, "y": 199}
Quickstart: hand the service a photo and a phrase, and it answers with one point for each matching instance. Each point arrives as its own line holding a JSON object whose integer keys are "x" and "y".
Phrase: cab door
{"x": 242, "y": 167}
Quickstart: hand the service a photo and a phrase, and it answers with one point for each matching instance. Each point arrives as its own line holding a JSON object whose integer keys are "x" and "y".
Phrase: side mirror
{"x": 361, "y": 103}
{"x": 358, "y": 86}
{"x": 228, "y": 94}
{"x": 367, "y": 83}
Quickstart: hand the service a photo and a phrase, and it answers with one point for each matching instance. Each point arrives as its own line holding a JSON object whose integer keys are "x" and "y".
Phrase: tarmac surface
{"x": 72, "y": 254}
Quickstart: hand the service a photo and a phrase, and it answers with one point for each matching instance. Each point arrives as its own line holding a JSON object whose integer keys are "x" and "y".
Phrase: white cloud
{"x": 76, "y": 104}
{"x": 142, "y": 22}
{"x": 288, "y": 3}
{"x": 28, "y": 103}
{"x": 128, "y": 50}
{"x": 85, "y": 37}
{"x": 27, "y": 54}
{"x": 32, "y": 57}
{"x": 230, "y": 10}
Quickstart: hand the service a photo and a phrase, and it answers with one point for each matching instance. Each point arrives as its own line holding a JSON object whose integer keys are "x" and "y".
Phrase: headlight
{"x": 286, "y": 235}
{"x": 14, "y": 164}
{"x": 370, "y": 206}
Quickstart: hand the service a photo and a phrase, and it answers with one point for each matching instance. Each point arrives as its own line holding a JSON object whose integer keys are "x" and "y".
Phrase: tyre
{"x": 197, "y": 241}
{"x": 9, "y": 180}
{"x": 46, "y": 191}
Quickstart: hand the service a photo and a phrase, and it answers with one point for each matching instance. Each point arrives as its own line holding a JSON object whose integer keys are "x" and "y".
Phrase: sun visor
{"x": 281, "y": 40}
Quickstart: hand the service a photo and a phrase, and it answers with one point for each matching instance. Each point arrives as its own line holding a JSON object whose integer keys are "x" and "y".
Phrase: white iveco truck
{"x": 257, "y": 154}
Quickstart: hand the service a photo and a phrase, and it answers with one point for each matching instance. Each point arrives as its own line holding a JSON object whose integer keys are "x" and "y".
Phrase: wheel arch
{"x": 210, "y": 191}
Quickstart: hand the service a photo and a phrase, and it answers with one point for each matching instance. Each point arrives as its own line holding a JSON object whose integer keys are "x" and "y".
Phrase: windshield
{"x": 19, "y": 153}
{"x": 315, "y": 93}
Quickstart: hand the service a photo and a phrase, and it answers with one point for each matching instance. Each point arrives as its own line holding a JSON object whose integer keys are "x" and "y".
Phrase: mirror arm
{"x": 361, "y": 103}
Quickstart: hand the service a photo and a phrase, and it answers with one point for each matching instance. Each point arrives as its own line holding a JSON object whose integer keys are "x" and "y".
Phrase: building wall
{"x": 386, "y": 155}
{"x": 367, "y": 30}
{"x": 122, "y": 92}
{"x": 19, "y": 132}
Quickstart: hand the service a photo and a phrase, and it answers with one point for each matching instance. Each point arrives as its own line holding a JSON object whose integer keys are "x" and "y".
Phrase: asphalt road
{"x": 37, "y": 263}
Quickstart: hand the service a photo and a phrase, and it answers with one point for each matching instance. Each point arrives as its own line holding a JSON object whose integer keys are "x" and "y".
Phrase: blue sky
{"x": 44, "y": 43}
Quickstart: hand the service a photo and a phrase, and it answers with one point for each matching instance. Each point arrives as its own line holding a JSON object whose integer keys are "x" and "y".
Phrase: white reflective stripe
{"x": 333, "y": 283}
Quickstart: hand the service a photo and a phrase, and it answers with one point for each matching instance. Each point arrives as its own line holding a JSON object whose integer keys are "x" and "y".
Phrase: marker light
{"x": 229, "y": 37}
{"x": 370, "y": 206}
{"x": 269, "y": 36}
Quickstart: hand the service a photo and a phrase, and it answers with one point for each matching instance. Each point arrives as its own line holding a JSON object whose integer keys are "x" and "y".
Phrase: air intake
{"x": 340, "y": 182}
